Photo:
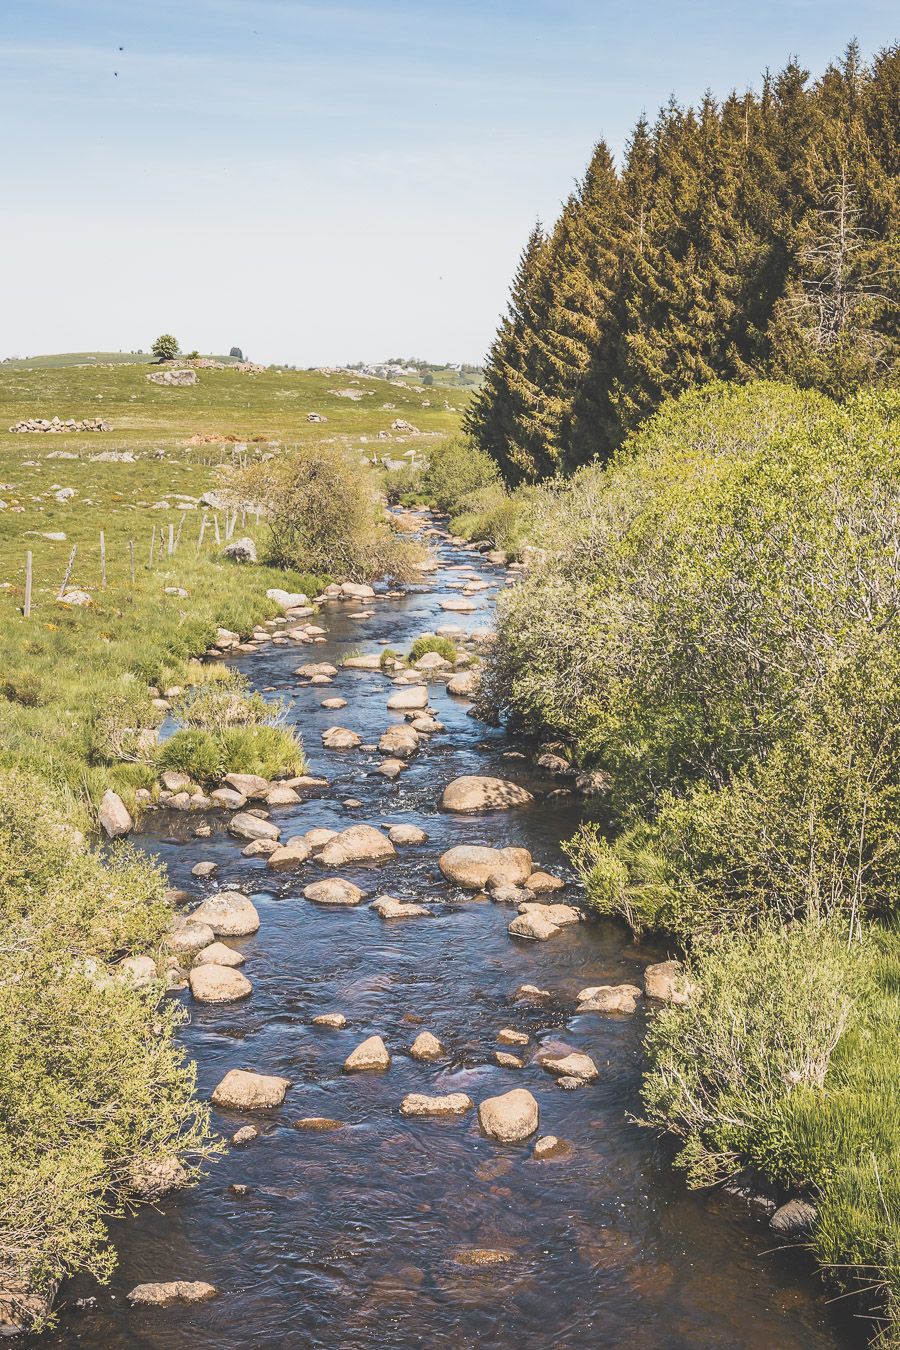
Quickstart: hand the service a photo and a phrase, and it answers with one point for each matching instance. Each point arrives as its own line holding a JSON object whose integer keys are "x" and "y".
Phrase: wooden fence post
{"x": 202, "y": 532}
{"x": 171, "y": 548}
{"x": 131, "y": 559}
{"x": 180, "y": 528}
{"x": 216, "y": 523}
{"x": 65, "y": 581}
{"x": 152, "y": 546}
{"x": 26, "y": 610}
{"x": 102, "y": 561}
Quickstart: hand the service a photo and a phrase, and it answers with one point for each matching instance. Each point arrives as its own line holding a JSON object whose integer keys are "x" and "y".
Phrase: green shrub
{"x": 225, "y": 702}
{"x": 442, "y": 645}
{"x": 323, "y": 513}
{"x": 456, "y": 469}
{"x": 206, "y": 756}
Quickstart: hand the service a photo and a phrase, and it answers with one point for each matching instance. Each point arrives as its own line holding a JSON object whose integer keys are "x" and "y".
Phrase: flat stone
{"x": 359, "y": 843}
{"x": 318, "y": 837}
{"x": 161, "y": 1294}
{"x": 335, "y": 1020}
{"x": 218, "y": 954}
{"x": 426, "y": 1047}
{"x": 389, "y": 907}
{"x": 507, "y": 1036}
{"x": 318, "y": 1124}
{"x": 510, "y": 1117}
{"x": 218, "y": 984}
{"x": 247, "y": 784}
{"x": 229, "y": 914}
{"x": 508, "y": 1061}
{"x": 370, "y": 1056}
{"x": 452, "y": 1104}
{"x": 260, "y": 848}
{"x": 334, "y": 891}
{"x": 279, "y": 795}
{"x": 332, "y": 704}
{"x": 228, "y": 798}
{"x": 244, "y": 1090}
{"x": 561, "y": 915}
{"x": 415, "y": 696}
{"x": 289, "y": 857}
{"x": 481, "y": 1256}
{"x": 473, "y": 792}
{"x": 407, "y": 834}
{"x": 574, "y": 1065}
{"x": 340, "y": 738}
{"x": 608, "y": 998}
{"x": 246, "y": 826}
{"x": 543, "y": 881}
{"x": 533, "y": 926}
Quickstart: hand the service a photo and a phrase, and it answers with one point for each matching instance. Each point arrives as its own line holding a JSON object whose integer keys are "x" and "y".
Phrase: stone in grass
{"x": 334, "y": 891}
{"x": 115, "y": 818}
{"x": 510, "y": 1117}
{"x": 218, "y": 954}
{"x": 426, "y": 1047}
{"x": 335, "y": 1020}
{"x": 452, "y": 1104}
{"x": 161, "y": 1294}
{"x": 370, "y": 1056}
{"x": 666, "y": 982}
{"x": 248, "y": 784}
{"x": 245, "y": 1090}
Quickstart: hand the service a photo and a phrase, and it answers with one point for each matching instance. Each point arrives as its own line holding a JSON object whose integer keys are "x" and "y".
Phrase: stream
{"x": 350, "y": 1238}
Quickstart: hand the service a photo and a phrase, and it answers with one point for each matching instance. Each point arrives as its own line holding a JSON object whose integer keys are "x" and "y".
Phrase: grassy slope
{"x": 62, "y": 663}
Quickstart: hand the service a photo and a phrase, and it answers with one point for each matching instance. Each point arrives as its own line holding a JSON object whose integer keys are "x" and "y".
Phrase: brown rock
{"x": 474, "y": 792}
{"x": 163, "y": 1293}
{"x": 370, "y": 1056}
{"x": 217, "y": 954}
{"x": 229, "y": 914}
{"x": 244, "y": 1090}
{"x": 511, "y": 1117}
{"x": 218, "y": 984}
{"x": 360, "y": 843}
{"x": 426, "y": 1046}
{"x": 453, "y": 1104}
{"x": 473, "y": 866}
{"x": 334, "y": 891}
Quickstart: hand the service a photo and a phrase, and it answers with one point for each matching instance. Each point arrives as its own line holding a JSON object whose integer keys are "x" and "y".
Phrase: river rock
{"x": 508, "y": 1061}
{"x": 464, "y": 684}
{"x": 412, "y": 698}
{"x": 452, "y": 1104}
{"x": 334, "y": 891}
{"x": 432, "y": 661}
{"x": 389, "y": 907}
{"x": 115, "y": 818}
{"x": 247, "y": 784}
{"x": 359, "y": 843}
{"x": 511, "y": 1117}
{"x": 244, "y": 1090}
{"x": 281, "y": 795}
{"x": 332, "y": 704}
{"x": 290, "y": 856}
{"x": 561, "y": 915}
{"x": 245, "y": 1135}
{"x": 229, "y": 914}
{"x": 796, "y": 1219}
{"x": 549, "y": 1147}
{"x": 507, "y": 1036}
{"x": 312, "y": 668}
{"x": 162, "y": 1294}
{"x": 356, "y": 590}
{"x": 370, "y": 1056}
{"x": 319, "y": 836}
{"x": 218, "y": 984}
{"x": 318, "y": 1124}
{"x": 218, "y": 954}
{"x": 473, "y": 792}
{"x": 532, "y": 991}
{"x": 204, "y": 869}
{"x": 259, "y": 848}
{"x": 574, "y": 1065}
{"x": 665, "y": 982}
{"x": 426, "y": 1047}
{"x": 391, "y": 768}
{"x": 473, "y": 866}
{"x": 228, "y": 798}
{"x": 426, "y": 726}
{"x": 371, "y": 661}
{"x": 406, "y": 834}
{"x": 186, "y": 936}
{"x": 340, "y": 738}
{"x": 399, "y": 740}
{"x": 543, "y": 881}
{"x": 504, "y": 893}
{"x": 245, "y": 826}
{"x": 533, "y": 925}
{"x": 609, "y": 998}
{"x": 287, "y": 599}
{"x": 335, "y": 1020}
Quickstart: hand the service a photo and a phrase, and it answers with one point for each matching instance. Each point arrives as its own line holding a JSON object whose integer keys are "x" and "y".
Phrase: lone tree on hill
{"x": 236, "y": 353}
{"x": 166, "y": 347}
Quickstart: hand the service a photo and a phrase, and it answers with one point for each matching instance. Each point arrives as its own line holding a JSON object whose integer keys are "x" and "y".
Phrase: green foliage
{"x": 166, "y": 347}
{"x": 742, "y": 239}
{"x": 456, "y": 469}
{"x": 786, "y": 1058}
{"x": 208, "y": 755}
{"x": 323, "y": 513}
{"x": 91, "y": 1078}
{"x": 225, "y": 702}
{"x": 442, "y": 645}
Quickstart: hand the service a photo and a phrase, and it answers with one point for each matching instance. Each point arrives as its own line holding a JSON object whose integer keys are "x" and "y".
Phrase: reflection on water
{"x": 352, "y": 1238}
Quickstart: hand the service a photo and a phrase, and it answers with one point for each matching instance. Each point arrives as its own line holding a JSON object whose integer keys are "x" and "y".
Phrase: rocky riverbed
{"x": 422, "y": 1050}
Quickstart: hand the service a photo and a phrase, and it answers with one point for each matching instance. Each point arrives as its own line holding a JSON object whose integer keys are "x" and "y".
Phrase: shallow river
{"x": 346, "y": 1239}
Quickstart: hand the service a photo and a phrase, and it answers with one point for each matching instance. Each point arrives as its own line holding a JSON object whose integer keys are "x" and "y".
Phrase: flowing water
{"x": 350, "y": 1238}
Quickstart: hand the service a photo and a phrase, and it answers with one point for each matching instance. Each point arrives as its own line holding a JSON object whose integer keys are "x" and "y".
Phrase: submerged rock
{"x": 163, "y": 1293}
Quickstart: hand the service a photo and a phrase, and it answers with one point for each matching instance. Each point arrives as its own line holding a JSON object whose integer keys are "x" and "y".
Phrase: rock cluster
{"x": 178, "y": 378}
{"x": 55, "y": 425}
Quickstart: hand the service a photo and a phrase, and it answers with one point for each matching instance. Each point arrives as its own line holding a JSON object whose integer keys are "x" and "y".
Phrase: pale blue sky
{"x": 322, "y": 182}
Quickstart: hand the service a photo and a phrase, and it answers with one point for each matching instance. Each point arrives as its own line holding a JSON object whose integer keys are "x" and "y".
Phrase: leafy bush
{"x": 206, "y": 756}
{"x": 225, "y": 702}
{"x": 442, "y": 645}
{"x": 323, "y": 513}
{"x": 456, "y": 469}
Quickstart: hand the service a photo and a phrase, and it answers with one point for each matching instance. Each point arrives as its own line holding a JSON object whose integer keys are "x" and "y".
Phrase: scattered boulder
{"x": 290, "y": 856}
{"x": 665, "y": 982}
{"x": 473, "y": 866}
{"x": 359, "y": 843}
{"x": 248, "y": 785}
{"x": 332, "y": 704}
{"x": 282, "y": 795}
{"x": 228, "y": 914}
{"x": 186, "y": 936}
{"x": 162, "y": 1294}
{"x": 287, "y": 599}
{"x": 399, "y": 740}
{"x": 138, "y": 971}
{"x": 533, "y": 925}
{"x": 115, "y": 818}
{"x": 259, "y": 848}
{"x": 372, "y": 661}
{"x": 218, "y": 954}
{"x": 313, "y": 668}
{"x": 334, "y": 891}
{"x": 540, "y": 882}
{"x": 335, "y": 1020}
{"x": 370, "y": 1056}
{"x": 561, "y": 915}
{"x": 204, "y": 869}
{"x": 152, "y": 1178}
{"x": 574, "y": 1065}
{"x": 244, "y": 1090}
{"x": 415, "y": 696}
{"x": 245, "y": 1135}
{"x": 407, "y": 834}
{"x": 473, "y": 792}
{"x": 389, "y": 907}
{"x": 609, "y": 998}
{"x": 511, "y": 1117}
{"x": 240, "y": 550}
{"x": 507, "y": 1036}
{"x": 465, "y": 684}
{"x": 319, "y": 836}
{"x": 426, "y": 1047}
{"x": 340, "y": 738}
{"x": 549, "y": 1147}
{"x": 453, "y": 1104}
{"x": 218, "y": 984}
{"x": 796, "y": 1219}
{"x": 228, "y": 798}
{"x": 245, "y": 826}
{"x": 508, "y": 1061}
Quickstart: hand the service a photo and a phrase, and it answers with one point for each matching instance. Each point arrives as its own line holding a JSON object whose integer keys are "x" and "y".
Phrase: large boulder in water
{"x": 511, "y": 1117}
{"x": 474, "y": 792}
{"x": 244, "y": 1090}
{"x": 219, "y": 984}
{"x": 228, "y": 914}
{"x": 473, "y": 866}
{"x": 360, "y": 843}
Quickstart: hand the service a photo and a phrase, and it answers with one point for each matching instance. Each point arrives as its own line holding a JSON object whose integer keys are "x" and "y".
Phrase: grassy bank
{"x": 96, "y": 1103}
{"x": 713, "y": 622}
